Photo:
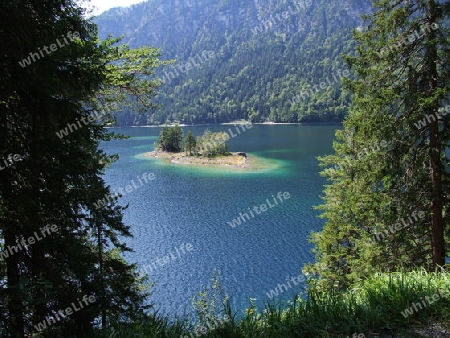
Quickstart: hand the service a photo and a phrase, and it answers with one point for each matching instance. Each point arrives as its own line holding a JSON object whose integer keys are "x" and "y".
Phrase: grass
{"x": 373, "y": 308}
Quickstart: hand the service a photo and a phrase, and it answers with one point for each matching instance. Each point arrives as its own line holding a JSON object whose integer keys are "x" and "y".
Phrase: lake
{"x": 182, "y": 218}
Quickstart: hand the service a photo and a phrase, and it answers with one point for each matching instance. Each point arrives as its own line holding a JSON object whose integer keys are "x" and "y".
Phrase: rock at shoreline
{"x": 236, "y": 160}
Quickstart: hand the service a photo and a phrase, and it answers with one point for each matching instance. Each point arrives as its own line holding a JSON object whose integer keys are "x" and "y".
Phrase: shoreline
{"x": 231, "y": 123}
{"x": 233, "y": 162}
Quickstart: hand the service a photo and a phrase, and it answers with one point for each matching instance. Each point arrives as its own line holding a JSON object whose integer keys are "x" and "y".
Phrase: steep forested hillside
{"x": 261, "y": 60}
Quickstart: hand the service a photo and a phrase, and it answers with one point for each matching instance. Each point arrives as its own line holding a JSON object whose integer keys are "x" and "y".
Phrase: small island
{"x": 209, "y": 149}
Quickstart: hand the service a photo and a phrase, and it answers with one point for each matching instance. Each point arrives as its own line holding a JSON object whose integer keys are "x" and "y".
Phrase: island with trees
{"x": 209, "y": 149}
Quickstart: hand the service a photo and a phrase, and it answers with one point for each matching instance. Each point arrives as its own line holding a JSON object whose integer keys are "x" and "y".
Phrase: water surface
{"x": 192, "y": 205}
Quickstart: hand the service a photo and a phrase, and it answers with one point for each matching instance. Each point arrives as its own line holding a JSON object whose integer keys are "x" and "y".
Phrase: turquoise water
{"x": 192, "y": 206}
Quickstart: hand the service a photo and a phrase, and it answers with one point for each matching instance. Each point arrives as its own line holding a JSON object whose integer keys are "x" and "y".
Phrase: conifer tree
{"x": 170, "y": 139}
{"x": 56, "y": 176}
{"x": 387, "y": 203}
{"x": 189, "y": 143}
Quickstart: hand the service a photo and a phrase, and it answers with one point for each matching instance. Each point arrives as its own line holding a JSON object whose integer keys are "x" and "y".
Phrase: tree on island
{"x": 213, "y": 144}
{"x": 209, "y": 144}
{"x": 189, "y": 143}
{"x": 170, "y": 139}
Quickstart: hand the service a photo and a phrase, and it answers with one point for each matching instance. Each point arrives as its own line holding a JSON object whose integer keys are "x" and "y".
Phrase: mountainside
{"x": 261, "y": 60}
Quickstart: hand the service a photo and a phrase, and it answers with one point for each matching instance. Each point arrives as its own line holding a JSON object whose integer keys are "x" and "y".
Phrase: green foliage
{"x": 129, "y": 75}
{"x": 374, "y": 305}
{"x": 386, "y": 168}
{"x": 170, "y": 139}
{"x": 251, "y": 75}
{"x": 153, "y": 326}
{"x": 212, "y": 303}
{"x": 189, "y": 143}
{"x": 60, "y": 177}
{"x": 209, "y": 144}
{"x": 212, "y": 144}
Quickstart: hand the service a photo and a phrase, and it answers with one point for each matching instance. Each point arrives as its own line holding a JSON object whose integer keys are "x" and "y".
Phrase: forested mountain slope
{"x": 261, "y": 60}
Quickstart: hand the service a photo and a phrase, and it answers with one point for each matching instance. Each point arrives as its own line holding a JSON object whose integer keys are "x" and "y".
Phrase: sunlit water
{"x": 191, "y": 206}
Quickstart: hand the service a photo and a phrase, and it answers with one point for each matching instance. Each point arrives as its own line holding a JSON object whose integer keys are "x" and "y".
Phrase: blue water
{"x": 187, "y": 204}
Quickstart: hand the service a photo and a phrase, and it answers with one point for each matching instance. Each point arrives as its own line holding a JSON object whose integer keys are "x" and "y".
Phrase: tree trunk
{"x": 437, "y": 224}
{"x": 102, "y": 280}
{"x": 15, "y": 304}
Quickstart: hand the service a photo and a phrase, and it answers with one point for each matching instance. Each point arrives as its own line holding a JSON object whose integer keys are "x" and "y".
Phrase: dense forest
{"x": 262, "y": 61}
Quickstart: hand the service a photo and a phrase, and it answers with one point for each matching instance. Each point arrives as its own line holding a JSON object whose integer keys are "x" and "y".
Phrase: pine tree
{"x": 189, "y": 143}
{"x": 170, "y": 139}
{"x": 390, "y": 159}
{"x": 58, "y": 177}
